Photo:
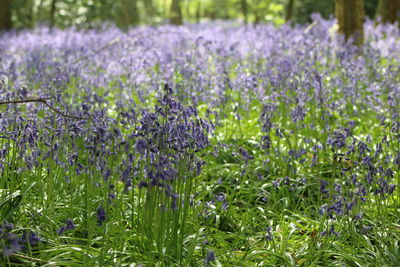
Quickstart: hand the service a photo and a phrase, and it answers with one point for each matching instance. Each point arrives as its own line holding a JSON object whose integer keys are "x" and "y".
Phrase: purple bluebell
{"x": 101, "y": 215}
{"x": 69, "y": 225}
{"x": 268, "y": 234}
{"x": 210, "y": 257}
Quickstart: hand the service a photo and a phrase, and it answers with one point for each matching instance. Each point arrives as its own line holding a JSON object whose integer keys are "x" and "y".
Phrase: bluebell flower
{"x": 268, "y": 234}
{"x": 210, "y": 257}
{"x": 101, "y": 215}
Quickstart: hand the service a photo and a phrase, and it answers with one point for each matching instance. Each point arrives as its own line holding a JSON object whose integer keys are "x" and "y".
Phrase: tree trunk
{"x": 198, "y": 11}
{"x": 5, "y": 15}
{"x": 289, "y": 10}
{"x": 350, "y": 15}
{"x": 257, "y": 19}
{"x": 150, "y": 10}
{"x": 130, "y": 12}
{"x": 388, "y": 10}
{"x": 245, "y": 9}
{"x": 31, "y": 14}
{"x": 104, "y": 10}
{"x": 52, "y": 13}
{"x": 176, "y": 13}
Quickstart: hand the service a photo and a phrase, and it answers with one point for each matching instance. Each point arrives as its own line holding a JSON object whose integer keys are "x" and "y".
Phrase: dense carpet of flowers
{"x": 200, "y": 144}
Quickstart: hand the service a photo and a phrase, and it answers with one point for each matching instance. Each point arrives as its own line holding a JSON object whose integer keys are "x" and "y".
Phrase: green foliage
{"x": 26, "y": 14}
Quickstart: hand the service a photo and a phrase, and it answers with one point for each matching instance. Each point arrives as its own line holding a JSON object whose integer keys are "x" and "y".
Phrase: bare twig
{"x": 310, "y": 27}
{"x": 115, "y": 41}
{"x": 64, "y": 114}
{"x": 119, "y": 40}
{"x": 24, "y": 101}
{"x": 94, "y": 53}
{"x": 43, "y": 101}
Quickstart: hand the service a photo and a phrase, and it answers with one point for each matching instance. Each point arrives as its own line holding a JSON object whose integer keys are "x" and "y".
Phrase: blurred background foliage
{"x": 93, "y": 13}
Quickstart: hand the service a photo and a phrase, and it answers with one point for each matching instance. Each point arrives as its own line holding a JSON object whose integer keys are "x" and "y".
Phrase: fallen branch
{"x": 119, "y": 40}
{"x": 43, "y": 101}
{"x": 24, "y": 101}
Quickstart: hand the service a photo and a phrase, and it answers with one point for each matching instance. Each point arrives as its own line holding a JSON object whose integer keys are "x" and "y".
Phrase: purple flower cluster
{"x": 69, "y": 225}
{"x": 167, "y": 140}
{"x": 14, "y": 243}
